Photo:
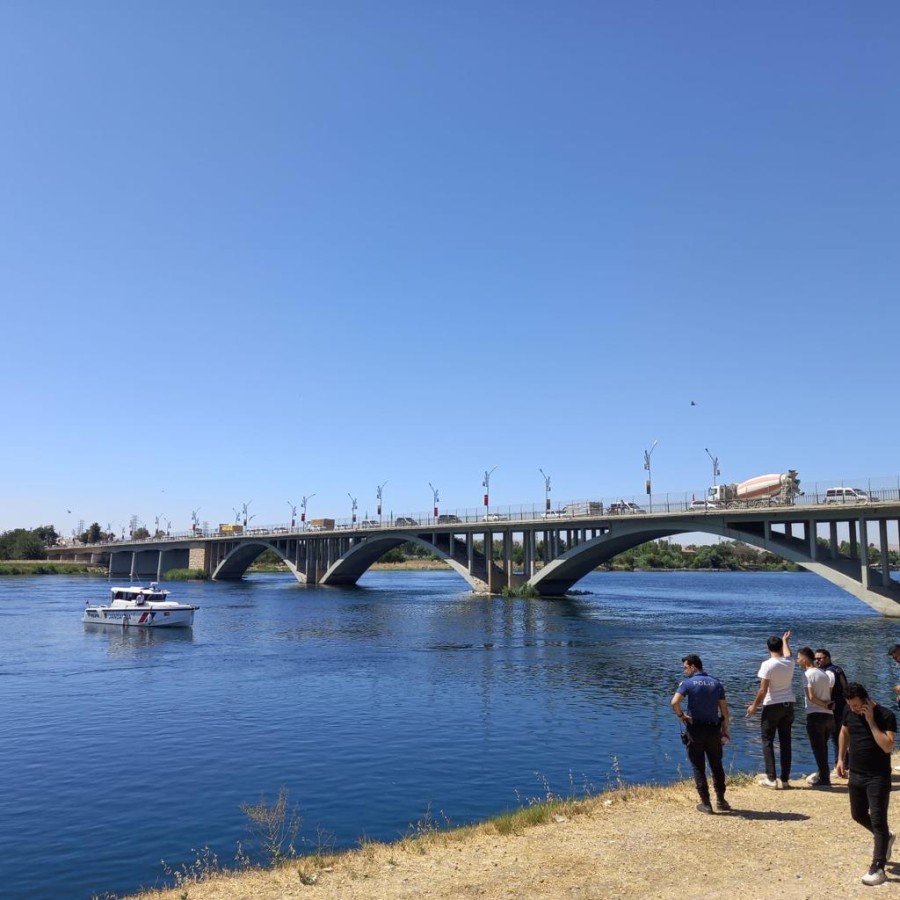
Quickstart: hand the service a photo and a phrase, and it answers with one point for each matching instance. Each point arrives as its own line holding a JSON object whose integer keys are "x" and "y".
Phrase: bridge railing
{"x": 878, "y": 490}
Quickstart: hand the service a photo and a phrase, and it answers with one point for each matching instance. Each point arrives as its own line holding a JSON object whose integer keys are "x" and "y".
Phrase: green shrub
{"x": 185, "y": 575}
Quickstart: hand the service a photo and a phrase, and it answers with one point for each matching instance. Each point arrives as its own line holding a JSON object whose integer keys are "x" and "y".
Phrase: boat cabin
{"x": 139, "y": 595}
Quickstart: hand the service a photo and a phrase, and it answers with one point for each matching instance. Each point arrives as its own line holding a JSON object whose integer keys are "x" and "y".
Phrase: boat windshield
{"x": 138, "y": 595}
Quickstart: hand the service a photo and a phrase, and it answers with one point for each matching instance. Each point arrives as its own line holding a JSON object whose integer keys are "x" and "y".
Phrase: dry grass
{"x": 630, "y": 842}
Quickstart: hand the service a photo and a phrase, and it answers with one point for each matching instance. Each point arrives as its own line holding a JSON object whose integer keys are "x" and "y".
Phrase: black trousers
{"x": 869, "y": 796}
{"x": 777, "y": 719}
{"x": 820, "y": 727}
{"x": 705, "y": 743}
{"x": 838, "y": 721}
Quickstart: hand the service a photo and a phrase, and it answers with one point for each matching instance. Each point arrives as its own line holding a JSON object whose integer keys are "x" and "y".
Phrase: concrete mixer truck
{"x": 763, "y": 490}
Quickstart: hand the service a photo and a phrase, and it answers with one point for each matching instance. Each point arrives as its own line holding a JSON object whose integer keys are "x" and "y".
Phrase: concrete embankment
{"x": 646, "y": 842}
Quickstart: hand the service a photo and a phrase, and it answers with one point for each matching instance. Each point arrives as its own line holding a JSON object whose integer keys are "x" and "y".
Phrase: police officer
{"x": 706, "y": 726}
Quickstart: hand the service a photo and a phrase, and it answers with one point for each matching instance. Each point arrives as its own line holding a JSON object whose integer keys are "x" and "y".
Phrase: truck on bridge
{"x": 321, "y": 525}
{"x": 584, "y": 508}
{"x": 778, "y": 489}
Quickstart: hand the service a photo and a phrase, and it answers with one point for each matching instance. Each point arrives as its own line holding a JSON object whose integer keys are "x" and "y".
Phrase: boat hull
{"x": 140, "y": 617}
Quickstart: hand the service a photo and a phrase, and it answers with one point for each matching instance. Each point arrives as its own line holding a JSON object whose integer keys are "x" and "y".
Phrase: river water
{"x": 374, "y": 707}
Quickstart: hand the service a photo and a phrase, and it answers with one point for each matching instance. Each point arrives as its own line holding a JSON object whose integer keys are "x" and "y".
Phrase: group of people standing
{"x": 838, "y": 711}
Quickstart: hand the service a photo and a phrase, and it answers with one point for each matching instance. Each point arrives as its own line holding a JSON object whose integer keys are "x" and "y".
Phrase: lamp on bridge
{"x": 647, "y": 454}
{"x": 486, "y": 484}
{"x": 379, "y": 493}
{"x": 546, "y": 491}
{"x": 434, "y": 494}
{"x": 352, "y": 508}
{"x": 293, "y": 507}
{"x": 303, "y": 503}
{"x": 715, "y": 462}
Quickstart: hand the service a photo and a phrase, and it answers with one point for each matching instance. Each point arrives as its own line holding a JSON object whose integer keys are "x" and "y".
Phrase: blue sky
{"x": 255, "y": 251}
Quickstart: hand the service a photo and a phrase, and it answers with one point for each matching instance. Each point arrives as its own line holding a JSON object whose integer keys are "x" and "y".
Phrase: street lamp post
{"x": 195, "y": 521}
{"x": 647, "y": 455}
{"x": 352, "y": 508}
{"x": 303, "y": 501}
{"x": 293, "y": 507}
{"x": 435, "y": 497}
{"x": 244, "y": 511}
{"x": 715, "y": 464}
{"x": 379, "y": 494}
{"x": 486, "y": 484}
{"x": 546, "y": 490}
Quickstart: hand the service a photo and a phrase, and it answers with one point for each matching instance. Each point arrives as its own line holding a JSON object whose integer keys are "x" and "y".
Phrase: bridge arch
{"x": 562, "y": 573}
{"x": 241, "y": 558}
{"x": 349, "y": 567}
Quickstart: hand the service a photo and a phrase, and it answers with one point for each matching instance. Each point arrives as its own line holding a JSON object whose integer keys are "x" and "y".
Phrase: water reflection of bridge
{"x": 558, "y": 552}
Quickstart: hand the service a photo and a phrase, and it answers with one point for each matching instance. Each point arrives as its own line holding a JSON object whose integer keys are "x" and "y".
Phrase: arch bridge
{"x": 557, "y": 552}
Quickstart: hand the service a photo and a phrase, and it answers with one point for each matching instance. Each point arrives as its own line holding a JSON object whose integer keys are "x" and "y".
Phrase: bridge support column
{"x": 812, "y": 539}
{"x": 864, "y": 553}
{"x": 854, "y": 545}
{"x": 314, "y": 567}
{"x": 833, "y": 535}
{"x": 885, "y": 561}
{"x": 197, "y": 559}
{"x": 133, "y": 564}
{"x": 507, "y": 558}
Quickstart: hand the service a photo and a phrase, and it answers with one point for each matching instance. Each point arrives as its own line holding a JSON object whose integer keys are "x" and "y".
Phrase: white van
{"x": 847, "y": 495}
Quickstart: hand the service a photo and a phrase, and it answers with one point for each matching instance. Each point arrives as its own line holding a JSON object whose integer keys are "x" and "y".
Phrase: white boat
{"x": 141, "y": 607}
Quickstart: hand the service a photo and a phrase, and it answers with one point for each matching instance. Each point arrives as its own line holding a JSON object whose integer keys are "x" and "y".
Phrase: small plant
{"x": 204, "y": 866}
{"x": 275, "y": 826}
{"x": 526, "y": 591}
{"x": 506, "y": 823}
{"x": 427, "y": 824}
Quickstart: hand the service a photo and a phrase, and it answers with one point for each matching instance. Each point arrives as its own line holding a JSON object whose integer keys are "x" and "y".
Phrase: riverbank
{"x": 631, "y": 843}
{"x": 47, "y": 567}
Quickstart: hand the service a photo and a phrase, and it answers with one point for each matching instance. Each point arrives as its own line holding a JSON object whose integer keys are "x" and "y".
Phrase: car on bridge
{"x": 623, "y": 507}
{"x": 369, "y": 523}
{"x": 554, "y": 514}
{"x": 848, "y": 495}
{"x": 704, "y": 504}
{"x": 495, "y": 517}
{"x": 448, "y": 520}
{"x": 405, "y": 520}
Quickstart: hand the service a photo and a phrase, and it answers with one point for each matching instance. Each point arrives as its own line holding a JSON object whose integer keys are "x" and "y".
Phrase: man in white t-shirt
{"x": 819, "y": 715}
{"x": 776, "y": 694}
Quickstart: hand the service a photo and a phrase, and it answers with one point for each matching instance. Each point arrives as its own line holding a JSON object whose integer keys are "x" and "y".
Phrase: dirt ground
{"x": 632, "y": 843}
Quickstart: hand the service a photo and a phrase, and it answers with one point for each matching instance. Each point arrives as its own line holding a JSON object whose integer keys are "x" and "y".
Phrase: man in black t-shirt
{"x": 838, "y": 691}
{"x": 868, "y": 732}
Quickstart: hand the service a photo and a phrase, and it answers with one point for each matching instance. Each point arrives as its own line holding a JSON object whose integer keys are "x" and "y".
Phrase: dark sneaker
{"x": 785, "y": 784}
{"x": 821, "y": 786}
{"x": 874, "y": 876}
{"x": 704, "y": 808}
{"x": 722, "y": 805}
